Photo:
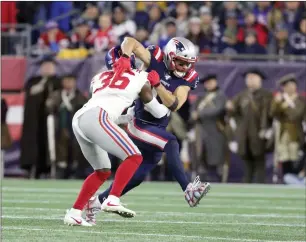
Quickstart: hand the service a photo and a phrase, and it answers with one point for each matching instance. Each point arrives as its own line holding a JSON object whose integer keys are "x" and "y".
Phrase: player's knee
{"x": 136, "y": 158}
{"x": 103, "y": 174}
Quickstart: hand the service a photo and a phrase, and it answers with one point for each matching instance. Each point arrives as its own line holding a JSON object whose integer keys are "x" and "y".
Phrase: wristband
{"x": 174, "y": 104}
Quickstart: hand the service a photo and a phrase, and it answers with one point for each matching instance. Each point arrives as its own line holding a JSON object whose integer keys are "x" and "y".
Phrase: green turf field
{"x": 33, "y": 211}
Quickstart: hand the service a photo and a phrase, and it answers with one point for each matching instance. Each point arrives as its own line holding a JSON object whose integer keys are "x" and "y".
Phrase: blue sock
{"x": 175, "y": 164}
{"x": 129, "y": 186}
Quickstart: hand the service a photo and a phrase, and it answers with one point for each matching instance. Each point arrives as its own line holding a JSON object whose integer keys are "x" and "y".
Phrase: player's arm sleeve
{"x": 151, "y": 104}
{"x": 131, "y": 45}
{"x": 156, "y": 109}
{"x": 192, "y": 79}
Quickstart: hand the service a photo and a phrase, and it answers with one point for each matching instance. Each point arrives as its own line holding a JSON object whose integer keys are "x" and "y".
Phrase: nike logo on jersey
{"x": 167, "y": 76}
{"x": 111, "y": 205}
{"x": 77, "y": 221}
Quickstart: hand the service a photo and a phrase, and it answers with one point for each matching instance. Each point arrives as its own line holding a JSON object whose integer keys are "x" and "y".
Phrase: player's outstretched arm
{"x": 173, "y": 101}
{"x": 131, "y": 45}
{"x": 151, "y": 104}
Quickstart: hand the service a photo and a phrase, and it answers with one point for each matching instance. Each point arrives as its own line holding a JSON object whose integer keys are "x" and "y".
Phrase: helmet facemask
{"x": 180, "y": 65}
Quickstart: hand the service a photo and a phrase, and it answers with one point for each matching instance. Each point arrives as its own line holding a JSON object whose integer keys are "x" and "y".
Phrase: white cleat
{"x": 74, "y": 217}
{"x": 196, "y": 191}
{"x": 112, "y": 205}
{"x": 92, "y": 208}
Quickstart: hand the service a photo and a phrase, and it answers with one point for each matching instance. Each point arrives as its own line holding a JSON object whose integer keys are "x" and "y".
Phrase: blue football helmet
{"x": 114, "y": 54}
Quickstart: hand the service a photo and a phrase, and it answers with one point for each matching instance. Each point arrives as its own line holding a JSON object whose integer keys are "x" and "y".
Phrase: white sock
{"x": 76, "y": 211}
{"x": 114, "y": 198}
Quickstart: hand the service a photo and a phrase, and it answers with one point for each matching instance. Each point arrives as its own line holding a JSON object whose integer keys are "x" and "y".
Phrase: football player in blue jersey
{"x": 172, "y": 76}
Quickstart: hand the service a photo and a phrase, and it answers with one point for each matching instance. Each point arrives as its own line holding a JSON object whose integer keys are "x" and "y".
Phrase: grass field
{"x": 33, "y": 211}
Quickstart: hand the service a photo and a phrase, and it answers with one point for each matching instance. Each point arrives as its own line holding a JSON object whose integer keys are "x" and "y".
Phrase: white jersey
{"x": 115, "y": 96}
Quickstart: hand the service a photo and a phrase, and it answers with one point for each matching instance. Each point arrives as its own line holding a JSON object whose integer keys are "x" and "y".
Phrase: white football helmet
{"x": 180, "y": 56}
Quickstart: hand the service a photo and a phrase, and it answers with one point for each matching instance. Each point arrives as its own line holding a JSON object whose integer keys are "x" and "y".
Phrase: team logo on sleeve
{"x": 179, "y": 46}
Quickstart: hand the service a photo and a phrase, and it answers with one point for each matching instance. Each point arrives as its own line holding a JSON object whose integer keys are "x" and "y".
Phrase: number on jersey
{"x": 106, "y": 81}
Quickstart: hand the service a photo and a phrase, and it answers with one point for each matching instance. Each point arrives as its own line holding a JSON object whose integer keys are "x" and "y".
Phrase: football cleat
{"x": 112, "y": 205}
{"x": 74, "y": 217}
{"x": 196, "y": 191}
{"x": 92, "y": 207}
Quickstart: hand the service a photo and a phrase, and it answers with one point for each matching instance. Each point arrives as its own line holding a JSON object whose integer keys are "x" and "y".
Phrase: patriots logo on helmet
{"x": 179, "y": 46}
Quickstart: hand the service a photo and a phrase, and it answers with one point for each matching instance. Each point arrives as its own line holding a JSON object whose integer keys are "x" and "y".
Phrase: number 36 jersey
{"x": 114, "y": 96}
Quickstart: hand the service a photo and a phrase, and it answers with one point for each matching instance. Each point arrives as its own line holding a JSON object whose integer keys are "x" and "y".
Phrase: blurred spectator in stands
{"x": 229, "y": 44}
{"x": 275, "y": 18}
{"x": 53, "y": 38}
{"x": 83, "y": 36}
{"x": 210, "y": 30}
{"x": 152, "y": 13}
{"x": 279, "y": 44}
{"x": 59, "y": 8}
{"x": 63, "y": 104}
{"x": 288, "y": 107}
{"x": 6, "y": 139}
{"x": 91, "y": 14}
{"x": 261, "y": 12}
{"x": 34, "y": 148}
{"x": 297, "y": 39}
{"x": 8, "y": 16}
{"x": 9, "y": 40}
{"x": 208, "y": 115}
{"x": 292, "y": 14}
{"x": 170, "y": 32}
{"x": 142, "y": 6}
{"x": 196, "y": 36}
{"x": 230, "y": 7}
{"x": 155, "y": 16}
{"x": 26, "y": 11}
{"x": 142, "y": 35}
{"x": 181, "y": 14}
{"x": 122, "y": 26}
{"x": 251, "y": 46}
{"x": 251, "y": 24}
{"x": 105, "y": 38}
{"x": 27, "y": 15}
{"x": 250, "y": 108}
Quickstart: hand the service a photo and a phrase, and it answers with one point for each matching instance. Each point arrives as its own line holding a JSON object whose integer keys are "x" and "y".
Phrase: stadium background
{"x": 219, "y": 30}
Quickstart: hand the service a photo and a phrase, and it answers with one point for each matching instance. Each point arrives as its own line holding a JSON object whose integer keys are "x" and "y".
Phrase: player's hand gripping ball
{"x": 154, "y": 78}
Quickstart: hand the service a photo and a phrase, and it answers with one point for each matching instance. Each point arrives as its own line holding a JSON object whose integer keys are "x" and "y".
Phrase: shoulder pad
{"x": 191, "y": 76}
{"x": 156, "y": 52}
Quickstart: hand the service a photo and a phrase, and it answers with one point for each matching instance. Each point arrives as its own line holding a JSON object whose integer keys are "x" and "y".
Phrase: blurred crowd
{"x": 262, "y": 27}
{"x": 210, "y": 129}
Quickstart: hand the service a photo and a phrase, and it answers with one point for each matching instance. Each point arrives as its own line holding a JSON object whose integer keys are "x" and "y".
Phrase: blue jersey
{"x": 169, "y": 81}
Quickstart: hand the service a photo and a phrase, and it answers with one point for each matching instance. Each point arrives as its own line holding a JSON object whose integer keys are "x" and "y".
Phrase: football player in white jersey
{"x": 96, "y": 130}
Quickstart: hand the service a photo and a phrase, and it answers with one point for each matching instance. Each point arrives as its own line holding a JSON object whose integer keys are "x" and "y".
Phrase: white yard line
{"x": 203, "y": 205}
{"x": 138, "y": 234}
{"x": 127, "y": 197}
{"x": 161, "y": 221}
{"x": 161, "y": 213}
{"x": 157, "y": 193}
{"x": 141, "y": 234}
{"x": 180, "y": 214}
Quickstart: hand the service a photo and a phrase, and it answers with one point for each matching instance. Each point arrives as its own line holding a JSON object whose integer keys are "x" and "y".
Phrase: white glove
{"x": 233, "y": 146}
{"x": 128, "y": 117}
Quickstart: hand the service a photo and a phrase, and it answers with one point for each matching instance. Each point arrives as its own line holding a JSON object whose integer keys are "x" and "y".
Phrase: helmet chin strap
{"x": 179, "y": 74}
